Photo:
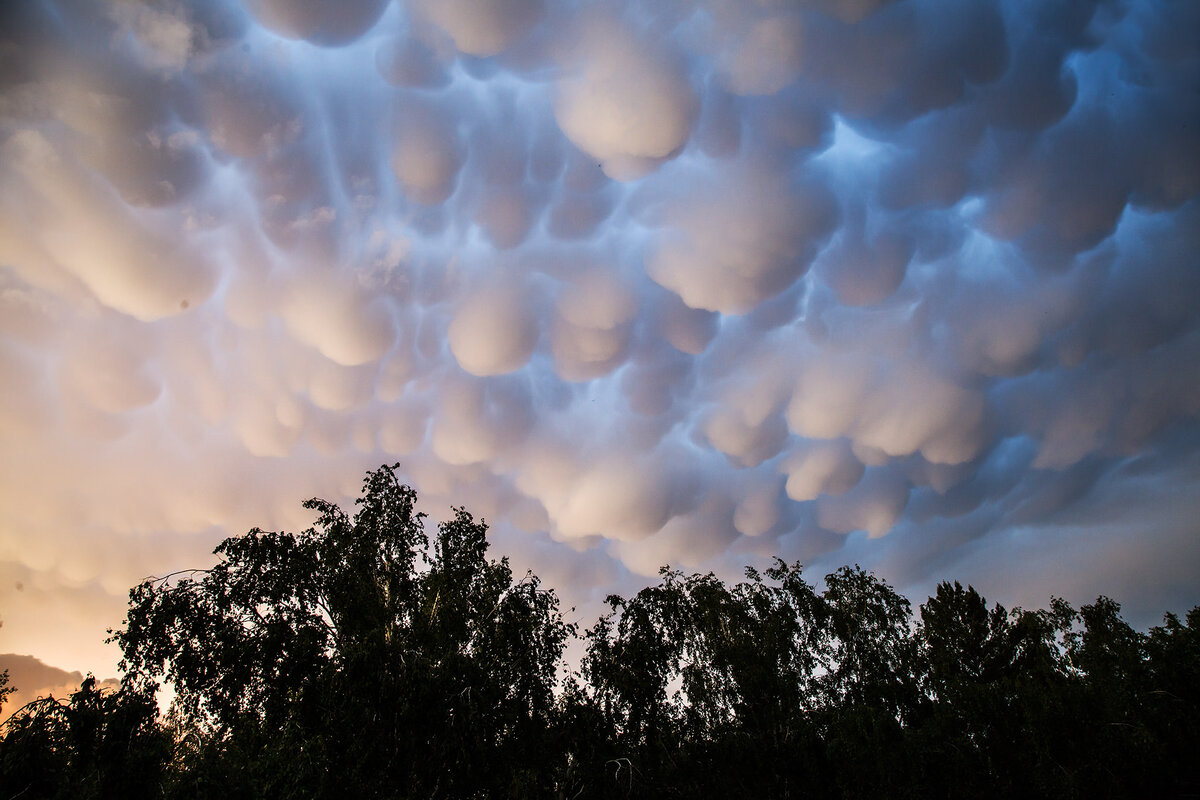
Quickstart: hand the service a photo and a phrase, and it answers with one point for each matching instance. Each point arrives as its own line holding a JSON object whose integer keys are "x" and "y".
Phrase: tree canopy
{"x": 366, "y": 657}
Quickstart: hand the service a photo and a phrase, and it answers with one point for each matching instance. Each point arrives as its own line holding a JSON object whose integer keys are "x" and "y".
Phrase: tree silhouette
{"x": 366, "y": 657}
{"x": 96, "y": 744}
{"x": 356, "y": 657}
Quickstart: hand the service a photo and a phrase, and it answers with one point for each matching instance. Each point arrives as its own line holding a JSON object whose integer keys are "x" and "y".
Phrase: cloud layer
{"x": 639, "y": 282}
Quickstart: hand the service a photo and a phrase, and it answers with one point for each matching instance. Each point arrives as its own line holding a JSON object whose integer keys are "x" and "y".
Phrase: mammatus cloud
{"x": 593, "y": 325}
{"x": 493, "y": 331}
{"x": 740, "y": 238}
{"x": 623, "y": 99}
{"x": 485, "y": 28}
{"x": 330, "y": 24}
{"x": 427, "y": 156}
{"x": 694, "y": 283}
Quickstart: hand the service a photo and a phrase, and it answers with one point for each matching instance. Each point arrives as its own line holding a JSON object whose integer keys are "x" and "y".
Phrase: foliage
{"x": 364, "y": 657}
{"x": 96, "y": 744}
{"x": 356, "y": 657}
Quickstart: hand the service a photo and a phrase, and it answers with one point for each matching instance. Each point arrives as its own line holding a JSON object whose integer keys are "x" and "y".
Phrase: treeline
{"x": 361, "y": 659}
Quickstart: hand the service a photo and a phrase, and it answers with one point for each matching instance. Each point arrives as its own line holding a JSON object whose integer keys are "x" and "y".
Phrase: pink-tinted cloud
{"x": 688, "y": 283}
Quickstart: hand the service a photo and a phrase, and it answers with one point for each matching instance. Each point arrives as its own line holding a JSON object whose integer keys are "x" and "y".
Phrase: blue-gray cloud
{"x": 639, "y": 282}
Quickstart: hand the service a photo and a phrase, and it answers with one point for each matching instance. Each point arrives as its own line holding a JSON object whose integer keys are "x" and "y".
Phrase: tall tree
{"x": 965, "y": 651}
{"x": 356, "y": 657}
{"x": 870, "y": 690}
{"x": 1173, "y": 700}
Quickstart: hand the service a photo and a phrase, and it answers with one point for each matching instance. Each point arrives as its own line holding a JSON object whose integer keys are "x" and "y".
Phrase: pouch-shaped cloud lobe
{"x": 623, "y": 100}
{"x": 323, "y": 23}
{"x": 738, "y": 240}
{"x": 697, "y": 282}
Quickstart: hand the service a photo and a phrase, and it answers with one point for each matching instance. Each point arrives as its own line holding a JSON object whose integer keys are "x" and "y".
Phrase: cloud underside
{"x": 693, "y": 283}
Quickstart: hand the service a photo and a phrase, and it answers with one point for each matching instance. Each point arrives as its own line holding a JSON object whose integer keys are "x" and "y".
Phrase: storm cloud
{"x": 898, "y": 283}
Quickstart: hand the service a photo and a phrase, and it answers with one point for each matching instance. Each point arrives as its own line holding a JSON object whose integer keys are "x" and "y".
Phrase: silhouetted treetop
{"x": 375, "y": 656}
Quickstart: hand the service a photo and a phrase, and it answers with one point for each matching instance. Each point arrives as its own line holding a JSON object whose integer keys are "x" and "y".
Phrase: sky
{"x": 913, "y": 285}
